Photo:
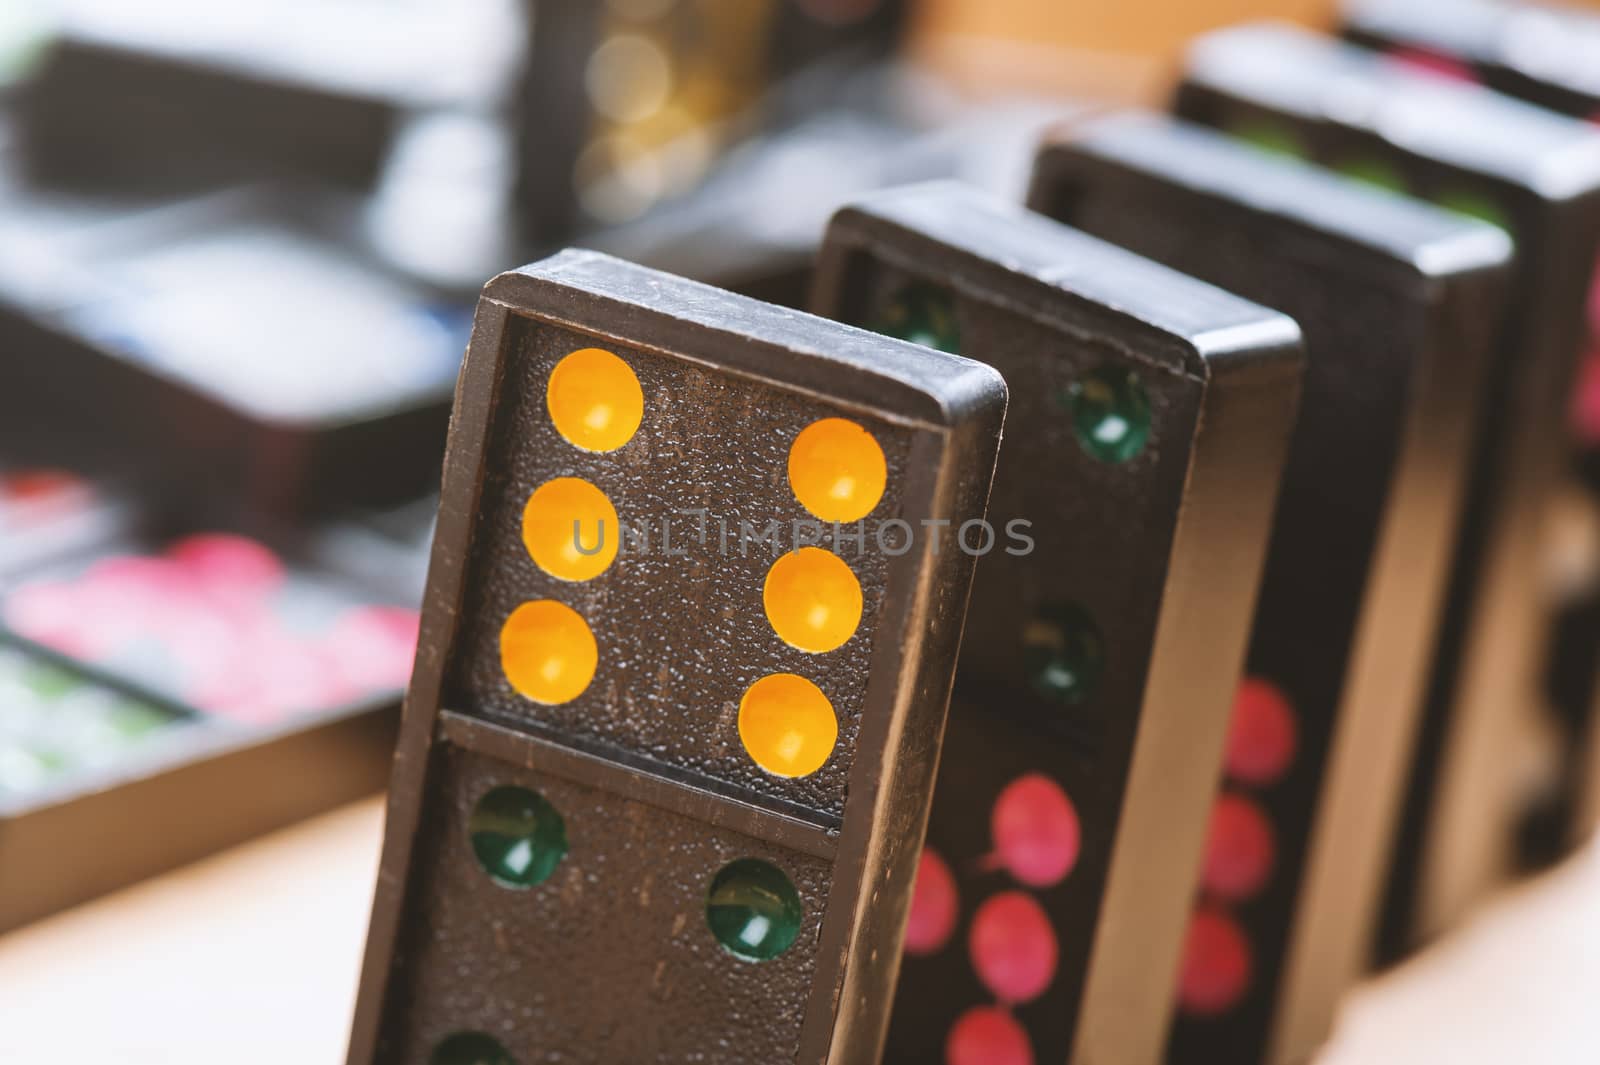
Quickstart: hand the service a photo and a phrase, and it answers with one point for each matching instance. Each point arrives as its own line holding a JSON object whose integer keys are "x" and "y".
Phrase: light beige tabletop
{"x": 251, "y": 958}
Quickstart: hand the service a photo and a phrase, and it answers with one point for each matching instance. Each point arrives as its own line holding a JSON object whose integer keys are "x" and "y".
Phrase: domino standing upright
{"x": 657, "y": 798}
{"x": 1549, "y": 55}
{"x": 1538, "y": 175}
{"x": 1400, "y": 303}
{"x": 1145, "y": 440}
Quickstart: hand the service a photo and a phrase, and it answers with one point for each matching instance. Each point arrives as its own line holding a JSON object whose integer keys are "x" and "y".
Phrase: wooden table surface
{"x": 251, "y": 958}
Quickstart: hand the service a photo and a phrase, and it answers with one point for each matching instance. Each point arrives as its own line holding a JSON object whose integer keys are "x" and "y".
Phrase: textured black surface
{"x": 1490, "y": 39}
{"x": 990, "y": 744}
{"x": 1102, "y": 535}
{"x": 1046, "y": 305}
{"x": 1100, "y": 532}
{"x": 728, "y": 382}
{"x": 1398, "y": 303}
{"x": 1542, "y": 171}
{"x": 681, "y": 638}
{"x": 610, "y": 960}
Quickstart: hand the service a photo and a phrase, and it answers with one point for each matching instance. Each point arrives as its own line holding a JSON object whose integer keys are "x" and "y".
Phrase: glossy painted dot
{"x": 1275, "y": 137}
{"x": 1375, "y": 172}
{"x": 1064, "y": 654}
{"x": 1239, "y": 849}
{"x": 922, "y": 314}
{"x": 787, "y": 725}
{"x": 935, "y": 906}
{"x": 1110, "y": 414}
{"x": 517, "y": 836}
{"x": 1475, "y": 205}
{"x": 837, "y": 470}
{"x": 987, "y": 1035}
{"x": 548, "y": 653}
{"x": 1035, "y": 831}
{"x": 1262, "y": 735}
{"x": 1216, "y": 964}
{"x": 753, "y": 910}
{"x": 470, "y": 1048}
{"x": 813, "y": 600}
{"x": 1013, "y": 947}
{"x": 595, "y": 400}
{"x": 570, "y": 529}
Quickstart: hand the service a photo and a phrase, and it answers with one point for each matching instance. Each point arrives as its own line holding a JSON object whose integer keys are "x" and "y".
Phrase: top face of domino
{"x": 1321, "y": 80}
{"x": 980, "y": 236}
{"x": 1558, "y": 45}
{"x": 1254, "y": 186}
{"x": 1070, "y": 321}
{"x": 709, "y": 435}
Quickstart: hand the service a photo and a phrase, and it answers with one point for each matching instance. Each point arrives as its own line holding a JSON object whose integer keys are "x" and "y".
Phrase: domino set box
{"x": 1095, "y": 628}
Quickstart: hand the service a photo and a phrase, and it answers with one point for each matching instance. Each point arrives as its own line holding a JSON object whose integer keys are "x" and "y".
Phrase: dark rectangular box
{"x": 231, "y": 353}
{"x": 155, "y": 98}
{"x": 163, "y": 699}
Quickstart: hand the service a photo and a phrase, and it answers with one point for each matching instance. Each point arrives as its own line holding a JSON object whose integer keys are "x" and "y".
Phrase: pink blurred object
{"x": 373, "y": 646}
{"x": 233, "y": 566}
{"x": 935, "y": 906}
{"x": 1216, "y": 964}
{"x": 1239, "y": 850}
{"x": 1436, "y": 63}
{"x": 1594, "y": 303}
{"x": 1585, "y": 413}
{"x": 1262, "y": 734}
{"x": 212, "y": 611}
{"x": 270, "y": 679}
{"x": 46, "y": 612}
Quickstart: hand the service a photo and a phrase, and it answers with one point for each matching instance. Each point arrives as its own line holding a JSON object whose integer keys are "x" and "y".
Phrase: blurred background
{"x": 239, "y": 249}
